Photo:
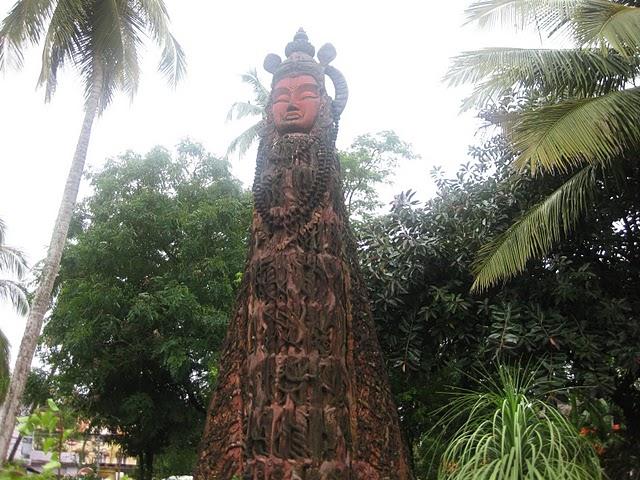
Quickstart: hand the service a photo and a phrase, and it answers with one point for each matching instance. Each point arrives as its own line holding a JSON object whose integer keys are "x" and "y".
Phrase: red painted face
{"x": 296, "y": 102}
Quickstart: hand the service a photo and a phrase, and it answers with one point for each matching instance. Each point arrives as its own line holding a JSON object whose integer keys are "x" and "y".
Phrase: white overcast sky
{"x": 393, "y": 54}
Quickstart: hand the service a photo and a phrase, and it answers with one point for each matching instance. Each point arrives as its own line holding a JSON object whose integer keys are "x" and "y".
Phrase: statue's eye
{"x": 308, "y": 95}
{"x": 281, "y": 99}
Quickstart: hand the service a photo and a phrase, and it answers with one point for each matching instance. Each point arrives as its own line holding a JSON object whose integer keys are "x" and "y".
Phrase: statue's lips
{"x": 293, "y": 116}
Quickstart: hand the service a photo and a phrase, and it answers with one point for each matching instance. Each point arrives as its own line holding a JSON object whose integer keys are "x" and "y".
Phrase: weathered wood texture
{"x": 302, "y": 392}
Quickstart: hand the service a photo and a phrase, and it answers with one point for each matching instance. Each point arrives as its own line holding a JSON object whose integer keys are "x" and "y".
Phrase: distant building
{"x": 90, "y": 454}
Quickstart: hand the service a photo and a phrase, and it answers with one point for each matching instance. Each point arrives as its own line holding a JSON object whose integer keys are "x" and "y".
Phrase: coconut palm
{"x": 239, "y": 110}
{"x": 579, "y": 115}
{"x": 102, "y": 40}
{"x": 12, "y": 262}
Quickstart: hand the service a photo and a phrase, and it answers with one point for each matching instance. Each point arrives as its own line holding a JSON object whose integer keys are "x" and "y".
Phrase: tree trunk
{"x": 148, "y": 469}
{"x": 42, "y": 298}
{"x": 14, "y": 450}
{"x": 141, "y": 466}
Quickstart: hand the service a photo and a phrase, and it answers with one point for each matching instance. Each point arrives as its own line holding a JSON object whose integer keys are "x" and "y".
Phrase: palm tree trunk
{"x": 42, "y": 298}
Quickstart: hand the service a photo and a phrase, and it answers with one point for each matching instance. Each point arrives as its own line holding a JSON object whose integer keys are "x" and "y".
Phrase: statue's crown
{"x": 300, "y": 61}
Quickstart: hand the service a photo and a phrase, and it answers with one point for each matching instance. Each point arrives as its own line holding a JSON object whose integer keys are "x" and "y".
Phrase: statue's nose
{"x": 292, "y": 106}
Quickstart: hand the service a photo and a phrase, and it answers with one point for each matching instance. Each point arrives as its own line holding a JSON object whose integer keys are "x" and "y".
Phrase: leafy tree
{"x": 575, "y": 112}
{"x": 146, "y": 286}
{"x": 12, "y": 262}
{"x": 576, "y": 312}
{"x": 370, "y": 160}
{"x": 102, "y": 40}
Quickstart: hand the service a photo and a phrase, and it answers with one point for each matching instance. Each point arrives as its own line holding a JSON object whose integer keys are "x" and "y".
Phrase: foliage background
{"x": 146, "y": 286}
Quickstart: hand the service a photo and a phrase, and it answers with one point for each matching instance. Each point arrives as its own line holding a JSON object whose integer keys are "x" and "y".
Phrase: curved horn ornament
{"x": 341, "y": 88}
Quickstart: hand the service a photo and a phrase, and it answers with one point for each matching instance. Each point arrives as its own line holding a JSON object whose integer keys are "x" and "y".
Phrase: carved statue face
{"x": 296, "y": 103}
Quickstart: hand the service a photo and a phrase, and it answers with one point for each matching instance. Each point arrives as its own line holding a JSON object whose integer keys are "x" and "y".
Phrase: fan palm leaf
{"x": 536, "y": 231}
{"x": 551, "y": 73}
{"x": 558, "y": 137}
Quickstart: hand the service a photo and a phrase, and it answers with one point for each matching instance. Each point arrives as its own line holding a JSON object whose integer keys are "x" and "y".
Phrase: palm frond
{"x": 12, "y": 260}
{"x": 548, "y": 15}
{"x": 244, "y": 109}
{"x": 555, "y": 73}
{"x": 173, "y": 62}
{"x": 536, "y": 231}
{"x": 63, "y": 42}
{"x": 608, "y": 24}
{"x": 260, "y": 91}
{"x": 5, "y": 351}
{"x": 238, "y": 110}
{"x": 593, "y": 130}
{"x": 16, "y": 294}
{"x": 243, "y": 142}
{"x": 24, "y": 25}
{"x": 107, "y": 35}
{"x": 131, "y": 31}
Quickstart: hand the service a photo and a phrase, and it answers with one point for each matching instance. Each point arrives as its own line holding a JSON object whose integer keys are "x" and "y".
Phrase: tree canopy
{"x": 371, "y": 160}
{"x": 146, "y": 284}
{"x": 575, "y": 312}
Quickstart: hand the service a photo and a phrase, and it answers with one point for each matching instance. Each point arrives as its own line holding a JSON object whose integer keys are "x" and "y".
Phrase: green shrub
{"x": 501, "y": 431}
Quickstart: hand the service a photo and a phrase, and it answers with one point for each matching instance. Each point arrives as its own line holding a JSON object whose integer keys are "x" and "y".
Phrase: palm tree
{"x": 579, "y": 115}
{"x": 102, "y": 40}
{"x": 13, "y": 263}
{"x": 239, "y": 110}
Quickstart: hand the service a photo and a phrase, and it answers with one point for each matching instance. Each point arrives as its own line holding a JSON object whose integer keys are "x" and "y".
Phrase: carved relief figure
{"x": 302, "y": 392}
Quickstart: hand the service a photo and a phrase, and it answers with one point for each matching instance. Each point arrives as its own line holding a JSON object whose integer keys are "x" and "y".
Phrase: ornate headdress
{"x": 300, "y": 60}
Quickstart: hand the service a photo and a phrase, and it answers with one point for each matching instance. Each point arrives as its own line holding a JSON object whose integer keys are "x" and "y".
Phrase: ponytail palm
{"x": 101, "y": 39}
{"x": 507, "y": 433}
{"x": 579, "y": 114}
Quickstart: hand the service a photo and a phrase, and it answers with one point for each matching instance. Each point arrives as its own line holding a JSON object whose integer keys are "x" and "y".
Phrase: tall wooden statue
{"x": 302, "y": 392}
